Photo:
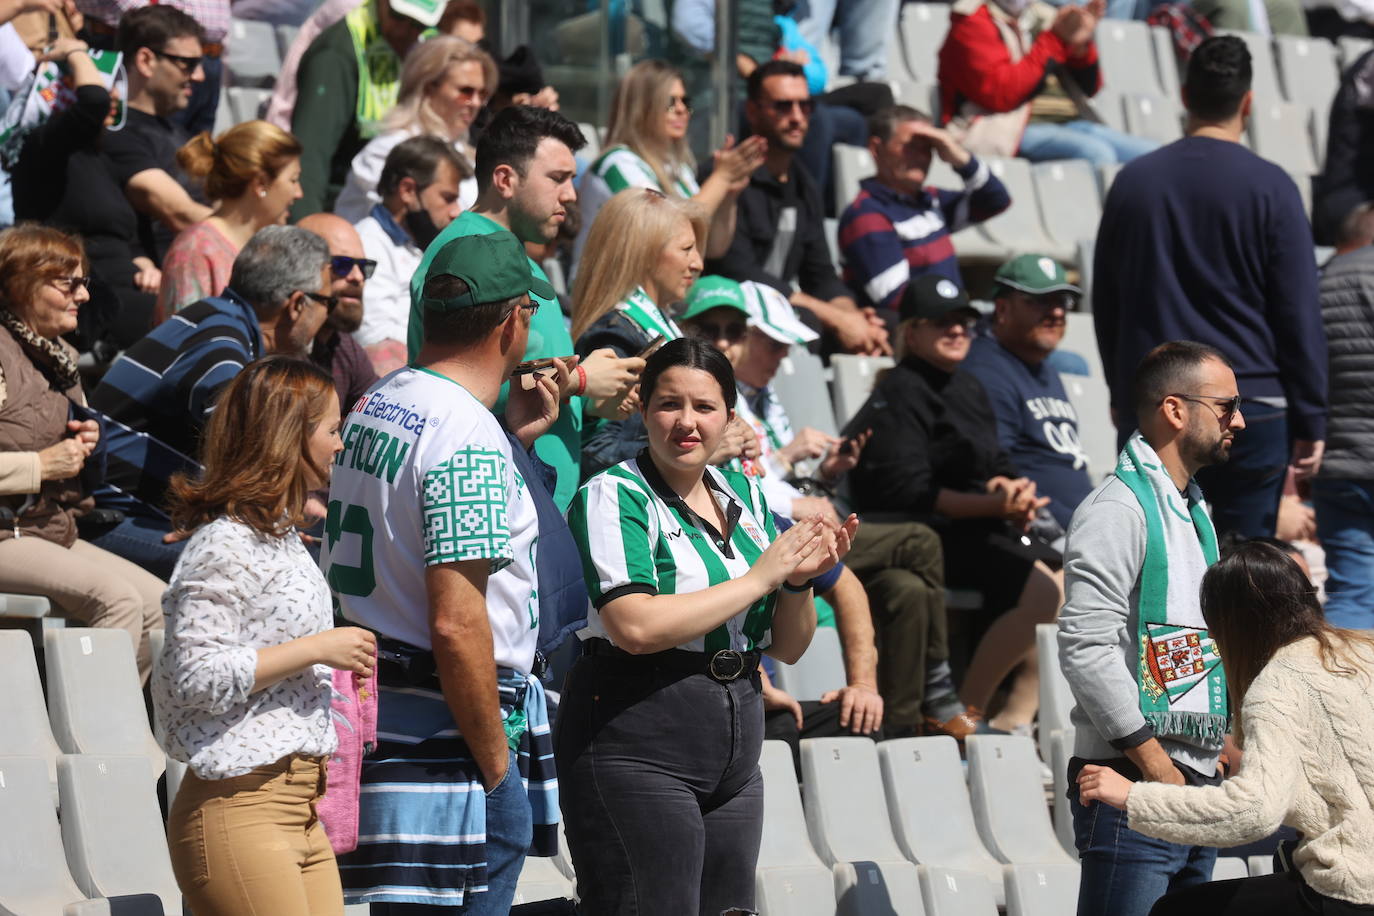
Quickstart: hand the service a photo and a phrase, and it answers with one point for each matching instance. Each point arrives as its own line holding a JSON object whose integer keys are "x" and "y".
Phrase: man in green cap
{"x": 1036, "y": 424}
{"x": 432, "y": 542}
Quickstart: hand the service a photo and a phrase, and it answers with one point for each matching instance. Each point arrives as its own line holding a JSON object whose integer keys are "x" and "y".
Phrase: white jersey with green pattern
{"x": 637, "y": 536}
{"x": 426, "y": 477}
{"x": 615, "y": 170}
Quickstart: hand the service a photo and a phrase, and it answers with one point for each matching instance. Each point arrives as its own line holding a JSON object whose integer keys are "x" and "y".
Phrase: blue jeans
{"x": 1125, "y": 872}
{"x": 139, "y": 540}
{"x": 509, "y": 831}
{"x": 1345, "y": 525}
{"x": 864, "y": 27}
{"x": 1244, "y": 492}
{"x": 1097, "y": 143}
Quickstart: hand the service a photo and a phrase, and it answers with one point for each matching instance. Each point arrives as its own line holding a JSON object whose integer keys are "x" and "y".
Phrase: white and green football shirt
{"x": 615, "y": 170}
{"x": 426, "y": 477}
{"x": 637, "y": 536}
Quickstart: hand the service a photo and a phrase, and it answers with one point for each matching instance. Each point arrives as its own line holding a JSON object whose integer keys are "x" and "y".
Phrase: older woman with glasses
{"x": 934, "y": 456}
{"x": 48, "y": 447}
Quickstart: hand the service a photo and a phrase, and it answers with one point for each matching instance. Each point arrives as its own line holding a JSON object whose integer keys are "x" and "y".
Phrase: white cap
{"x": 426, "y": 12}
{"x": 771, "y": 313}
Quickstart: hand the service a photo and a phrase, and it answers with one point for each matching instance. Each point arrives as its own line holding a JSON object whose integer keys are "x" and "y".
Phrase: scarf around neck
{"x": 51, "y": 358}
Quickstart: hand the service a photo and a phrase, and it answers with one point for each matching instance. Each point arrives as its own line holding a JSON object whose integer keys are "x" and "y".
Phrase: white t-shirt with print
{"x": 426, "y": 477}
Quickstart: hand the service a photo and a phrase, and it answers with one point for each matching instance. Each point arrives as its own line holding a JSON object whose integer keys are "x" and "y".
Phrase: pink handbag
{"x": 353, "y": 709}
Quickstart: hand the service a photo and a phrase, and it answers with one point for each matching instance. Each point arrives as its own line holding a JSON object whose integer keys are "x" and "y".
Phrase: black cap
{"x": 933, "y": 296}
{"x": 520, "y": 73}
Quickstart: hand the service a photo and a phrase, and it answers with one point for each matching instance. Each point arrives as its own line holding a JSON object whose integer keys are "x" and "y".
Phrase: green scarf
{"x": 379, "y": 69}
{"x": 643, "y": 312}
{"x": 1179, "y": 672}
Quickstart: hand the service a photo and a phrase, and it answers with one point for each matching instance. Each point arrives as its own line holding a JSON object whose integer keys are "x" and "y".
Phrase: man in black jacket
{"x": 1347, "y": 181}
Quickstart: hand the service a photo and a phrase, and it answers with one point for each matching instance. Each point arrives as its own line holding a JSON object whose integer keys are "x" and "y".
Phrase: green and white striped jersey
{"x": 615, "y": 170}
{"x": 637, "y": 536}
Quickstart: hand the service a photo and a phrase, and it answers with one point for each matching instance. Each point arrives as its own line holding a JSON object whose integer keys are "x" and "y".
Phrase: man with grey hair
{"x": 158, "y": 394}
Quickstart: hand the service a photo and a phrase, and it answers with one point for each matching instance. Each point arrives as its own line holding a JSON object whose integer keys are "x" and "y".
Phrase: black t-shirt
{"x": 149, "y": 142}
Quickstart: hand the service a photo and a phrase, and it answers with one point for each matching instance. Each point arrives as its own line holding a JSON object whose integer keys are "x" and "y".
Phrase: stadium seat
{"x": 286, "y": 36}
{"x": 112, "y": 828}
{"x": 246, "y": 103}
{"x": 800, "y": 386}
{"x": 1229, "y": 867}
{"x": 224, "y": 113}
{"x": 1069, "y": 201}
{"x": 1106, "y": 174}
{"x": 1279, "y": 132}
{"x": 1153, "y": 117}
{"x": 972, "y": 243}
{"x": 832, "y": 241}
{"x": 1056, "y": 699}
{"x": 924, "y": 782}
{"x": 1265, "y": 78}
{"x": 790, "y": 880}
{"x": 853, "y": 378}
{"x": 1166, "y": 61}
{"x": 1090, "y": 397}
{"x": 95, "y": 702}
{"x": 251, "y": 57}
{"x": 1309, "y": 71}
{"x": 1042, "y": 890}
{"x": 29, "y": 607}
{"x": 1019, "y": 227}
{"x": 539, "y": 880}
{"x": 852, "y": 164}
{"x": 1352, "y": 49}
{"x": 1260, "y": 865}
{"x": 1304, "y": 183}
{"x": 27, "y": 732}
{"x": 1108, "y": 105}
{"x": 923, "y": 27}
{"x": 818, "y": 671}
{"x": 1009, "y": 801}
{"x": 1061, "y": 749}
{"x": 949, "y": 892}
{"x": 846, "y": 816}
{"x": 34, "y": 878}
{"x": 924, "y": 97}
{"x": 1125, "y": 52}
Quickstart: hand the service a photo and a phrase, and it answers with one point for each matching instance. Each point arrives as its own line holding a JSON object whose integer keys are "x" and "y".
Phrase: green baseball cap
{"x": 494, "y": 266}
{"x": 711, "y": 292}
{"x": 1035, "y": 275}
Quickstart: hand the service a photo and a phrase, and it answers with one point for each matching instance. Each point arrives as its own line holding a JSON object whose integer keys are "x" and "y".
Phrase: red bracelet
{"x": 581, "y": 381}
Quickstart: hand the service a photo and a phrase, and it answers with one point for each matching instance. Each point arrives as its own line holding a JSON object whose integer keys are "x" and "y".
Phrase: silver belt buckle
{"x": 726, "y": 665}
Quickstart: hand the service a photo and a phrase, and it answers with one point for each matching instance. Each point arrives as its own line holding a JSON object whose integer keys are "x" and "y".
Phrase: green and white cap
{"x": 713, "y": 292}
{"x": 1035, "y": 275}
{"x": 426, "y": 12}
{"x": 771, "y": 313}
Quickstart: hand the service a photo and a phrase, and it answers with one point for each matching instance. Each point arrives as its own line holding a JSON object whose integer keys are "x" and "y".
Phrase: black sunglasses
{"x": 1228, "y": 406}
{"x": 342, "y": 266}
{"x": 712, "y": 331}
{"x": 685, "y": 100}
{"x": 783, "y": 107}
{"x": 329, "y": 302}
{"x": 187, "y": 65}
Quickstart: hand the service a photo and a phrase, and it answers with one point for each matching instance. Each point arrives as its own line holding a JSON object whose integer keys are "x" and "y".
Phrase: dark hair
{"x": 772, "y": 68}
{"x": 885, "y": 121}
{"x": 418, "y": 158}
{"x": 461, "y": 327}
{"x": 688, "y": 353}
{"x": 514, "y": 135}
{"x": 1231, "y": 540}
{"x": 1218, "y": 77}
{"x": 1256, "y": 600}
{"x": 152, "y": 27}
{"x": 1169, "y": 368}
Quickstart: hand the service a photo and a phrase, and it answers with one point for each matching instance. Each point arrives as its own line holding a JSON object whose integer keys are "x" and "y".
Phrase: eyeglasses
{"x": 187, "y": 65}
{"x": 1063, "y": 300}
{"x": 1229, "y": 406}
{"x": 950, "y": 323}
{"x": 783, "y": 107}
{"x": 342, "y": 265}
{"x": 69, "y": 285}
{"x": 329, "y": 302}
{"x": 710, "y": 331}
{"x": 470, "y": 92}
{"x": 684, "y": 100}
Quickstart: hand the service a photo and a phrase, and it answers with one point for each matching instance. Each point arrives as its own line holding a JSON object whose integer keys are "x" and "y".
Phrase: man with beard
{"x": 779, "y": 226}
{"x": 1148, "y": 682}
{"x": 335, "y": 351}
{"x": 1036, "y": 424}
{"x": 419, "y": 188}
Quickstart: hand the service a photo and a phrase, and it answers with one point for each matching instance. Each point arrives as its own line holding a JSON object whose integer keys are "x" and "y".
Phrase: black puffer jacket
{"x": 1347, "y": 297}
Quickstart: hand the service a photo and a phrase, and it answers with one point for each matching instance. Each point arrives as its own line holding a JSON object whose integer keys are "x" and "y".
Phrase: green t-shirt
{"x": 561, "y": 447}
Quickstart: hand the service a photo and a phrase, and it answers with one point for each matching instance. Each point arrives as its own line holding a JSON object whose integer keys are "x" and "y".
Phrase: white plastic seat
{"x": 286, "y": 37}
{"x": 851, "y": 165}
{"x": 1279, "y": 132}
{"x": 800, "y": 386}
{"x": 846, "y": 815}
{"x": 854, "y": 377}
{"x": 34, "y": 878}
{"x": 790, "y": 879}
{"x": 1260, "y": 865}
{"x": 1106, "y": 174}
{"x": 1153, "y": 117}
{"x": 1069, "y": 201}
{"x": 112, "y": 828}
{"x": 1009, "y": 801}
{"x": 921, "y": 95}
{"x": 924, "y": 783}
{"x": 1019, "y": 227}
{"x": 251, "y": 56}
{"x": 923, "y": 27}
{"x": 1229, "y": 868}
{"x": 1061, "y": 749}
{"x": 1166, "y": 61}
{"x": 539, "y": 880}
{"x": 1352, "y": 49}
{"x": 589, "y": 133}
{"x": 1126, "y": 56}
{"x": 95, "y": 702}
{"x": 1056, "y": 699}
{"x": 971, "y": 243}
{"x": 27, "y": 732}
{"x": 1108, "y": 105}
{"x": 26, "y": 606}
{"x": 818, "y": 671}
{"x": 1090, "y": 397}
{"x": 949, "y": 892}
{"x": 246, "y": 102}
{"x": 1309, "y": 70}
{"x": 1042, "y": 890}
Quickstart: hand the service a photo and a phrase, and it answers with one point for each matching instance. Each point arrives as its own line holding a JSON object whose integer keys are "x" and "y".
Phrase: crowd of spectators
{"x": 388, "y": 224}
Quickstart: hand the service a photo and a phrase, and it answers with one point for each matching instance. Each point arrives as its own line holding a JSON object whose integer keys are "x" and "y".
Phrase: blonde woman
{"x": 254, "y": 171}
{"x": 646, "y": 147}
{"x": 445, "y": 81}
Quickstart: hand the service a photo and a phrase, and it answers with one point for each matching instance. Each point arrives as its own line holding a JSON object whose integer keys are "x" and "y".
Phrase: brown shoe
{"x": 957, "y": 727}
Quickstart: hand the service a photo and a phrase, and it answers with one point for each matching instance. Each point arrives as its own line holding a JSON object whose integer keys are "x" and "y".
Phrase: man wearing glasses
{"x": 334, "y": 350}
{"x": 1036, "y": 424}
{"x": 162, "y": 48}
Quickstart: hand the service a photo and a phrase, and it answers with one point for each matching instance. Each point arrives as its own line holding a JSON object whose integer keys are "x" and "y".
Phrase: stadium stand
{"x": 1042, "y": 890}
{"x": 1060, "y": 752}
{"x": 34, "y": 878}
{"x": 818, "y": 671}
{"x": 27, "y": 731}
{"x": 801, "y": 387}
{"x": 1056, "y": 699}
{"x": 253, "y": 55}
{"x": 791, "y": 881}
{"x": 1008, "y": 801}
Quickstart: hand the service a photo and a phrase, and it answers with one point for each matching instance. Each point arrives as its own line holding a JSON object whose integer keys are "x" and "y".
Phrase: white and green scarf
{"x": 644, "y": 312}
{"x": 1182, "y": 683}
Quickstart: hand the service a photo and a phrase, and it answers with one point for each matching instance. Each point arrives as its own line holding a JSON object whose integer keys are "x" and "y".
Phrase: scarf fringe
{"x": 1206, "y": 727}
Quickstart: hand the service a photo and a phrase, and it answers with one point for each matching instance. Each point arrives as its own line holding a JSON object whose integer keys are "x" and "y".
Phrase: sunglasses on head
{"x": 342, "y": 265}
{"x": 783, "y": 107}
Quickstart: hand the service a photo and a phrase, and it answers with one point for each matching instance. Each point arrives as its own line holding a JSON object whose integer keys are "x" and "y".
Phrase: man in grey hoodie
{"x": 1148, "y": 683}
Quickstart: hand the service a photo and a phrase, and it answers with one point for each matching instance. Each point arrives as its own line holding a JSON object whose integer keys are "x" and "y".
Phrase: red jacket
{"x": 976, "y": 65}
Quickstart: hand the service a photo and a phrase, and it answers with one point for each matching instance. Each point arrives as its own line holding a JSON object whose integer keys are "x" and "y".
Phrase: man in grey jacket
{"x": 1148, "y": 683}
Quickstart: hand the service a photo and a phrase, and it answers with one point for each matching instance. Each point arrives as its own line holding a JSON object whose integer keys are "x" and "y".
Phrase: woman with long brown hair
{"x": 243, "y": 688}
{"x": 1306, "y": 728}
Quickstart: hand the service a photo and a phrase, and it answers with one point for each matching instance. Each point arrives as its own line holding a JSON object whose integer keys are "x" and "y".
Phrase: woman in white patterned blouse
{"x": 243, "y": 685}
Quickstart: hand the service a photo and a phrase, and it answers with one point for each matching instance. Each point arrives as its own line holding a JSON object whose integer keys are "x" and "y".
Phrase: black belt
{"x": 402, "y": 664}
{"x": 724, "y": 666}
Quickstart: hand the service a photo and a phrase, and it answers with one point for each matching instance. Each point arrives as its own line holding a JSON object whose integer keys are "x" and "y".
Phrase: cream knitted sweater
{"x": 1308, "y": 763}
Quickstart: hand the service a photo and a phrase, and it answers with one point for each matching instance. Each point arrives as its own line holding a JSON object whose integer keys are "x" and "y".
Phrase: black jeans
{"x": 1284, "y": 894}
{"x": 660, "y": 787}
